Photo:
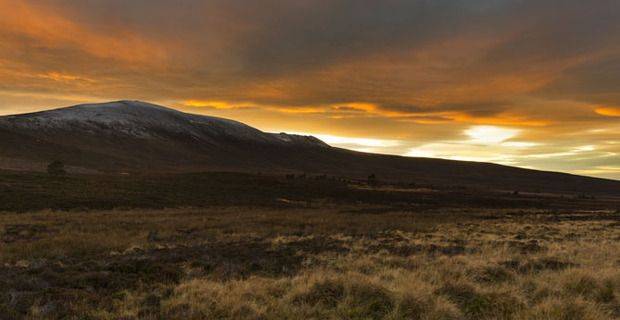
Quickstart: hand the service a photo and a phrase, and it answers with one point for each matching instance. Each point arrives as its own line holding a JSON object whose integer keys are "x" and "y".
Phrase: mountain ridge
{"x": 123, "y": 114}
{"x": 135, "y": 136}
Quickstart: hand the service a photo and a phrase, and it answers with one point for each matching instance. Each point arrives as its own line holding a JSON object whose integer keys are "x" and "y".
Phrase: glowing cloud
{"x": 490, "y": 134}
{"x": 584, "y": 148}
{"x": 357, "y": 144}
{"x": 608, "y": 111}
{"x": 365, "y": 142}
{"x": 463, "y": 150}
{"x": 209, "y": 104}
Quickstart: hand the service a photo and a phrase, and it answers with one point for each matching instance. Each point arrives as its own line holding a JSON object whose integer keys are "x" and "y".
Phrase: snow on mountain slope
{"x": 144, "y": 120}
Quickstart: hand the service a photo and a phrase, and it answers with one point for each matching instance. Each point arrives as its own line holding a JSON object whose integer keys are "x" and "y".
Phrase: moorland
{"x": 259, "y": 246}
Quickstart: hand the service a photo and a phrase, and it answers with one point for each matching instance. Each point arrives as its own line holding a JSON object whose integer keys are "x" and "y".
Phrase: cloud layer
{"x": 423, "y": 73}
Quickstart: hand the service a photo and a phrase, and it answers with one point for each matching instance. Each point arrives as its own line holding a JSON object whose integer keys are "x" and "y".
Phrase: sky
{"x": 528, "y": 83}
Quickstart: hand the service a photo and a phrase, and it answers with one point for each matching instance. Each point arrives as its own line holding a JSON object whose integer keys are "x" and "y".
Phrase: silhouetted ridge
{"x": 137, "y": 136}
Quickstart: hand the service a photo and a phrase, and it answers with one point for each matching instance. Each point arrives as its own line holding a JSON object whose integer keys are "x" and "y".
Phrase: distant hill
{"x": 134, "y": 136}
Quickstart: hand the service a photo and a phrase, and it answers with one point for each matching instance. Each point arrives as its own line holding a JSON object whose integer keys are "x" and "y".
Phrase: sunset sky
{"x": 529, "y": 83}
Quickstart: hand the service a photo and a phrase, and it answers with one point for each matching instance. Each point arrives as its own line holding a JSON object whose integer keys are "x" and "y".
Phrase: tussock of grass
{"x": 308, "y": 296}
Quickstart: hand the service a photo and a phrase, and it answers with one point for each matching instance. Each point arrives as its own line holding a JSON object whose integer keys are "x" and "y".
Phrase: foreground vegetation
{"x": 23, "y": 192}
{"x": 332, "y": 261}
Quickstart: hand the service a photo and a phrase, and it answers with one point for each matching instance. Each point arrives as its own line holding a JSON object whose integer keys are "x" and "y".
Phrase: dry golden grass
{"x": 329, "y": 263}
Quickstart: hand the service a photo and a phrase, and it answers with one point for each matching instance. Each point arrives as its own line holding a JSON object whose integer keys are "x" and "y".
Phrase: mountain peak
{"x": 139, "y": 119}
{"x": 126, "y": 103}
{"x": 122, "y": 105}
{"x": 94, "y": 109}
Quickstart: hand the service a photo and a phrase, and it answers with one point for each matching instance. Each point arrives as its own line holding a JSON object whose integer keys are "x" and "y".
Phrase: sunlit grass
{"x": 329, "y": 263}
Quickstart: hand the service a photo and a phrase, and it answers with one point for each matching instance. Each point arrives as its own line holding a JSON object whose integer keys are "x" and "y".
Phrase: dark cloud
{"x": 596, "y": 82}
{"x": 328, "y": 51}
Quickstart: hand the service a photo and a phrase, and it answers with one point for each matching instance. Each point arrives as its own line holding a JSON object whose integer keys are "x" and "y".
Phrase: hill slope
{"x": 137, "y": 136}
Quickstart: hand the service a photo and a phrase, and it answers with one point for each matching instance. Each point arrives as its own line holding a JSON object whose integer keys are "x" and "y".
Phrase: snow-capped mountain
{"x": 133, "y": 136}
{"x": 143, "y": 120}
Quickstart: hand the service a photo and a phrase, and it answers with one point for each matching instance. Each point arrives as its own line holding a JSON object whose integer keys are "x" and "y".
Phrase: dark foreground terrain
{"x": 231, "y": 246}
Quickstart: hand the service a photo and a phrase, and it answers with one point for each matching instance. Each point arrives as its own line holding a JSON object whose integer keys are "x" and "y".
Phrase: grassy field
{"x": 328, "y": 263}
{"x": 302, "y": 250}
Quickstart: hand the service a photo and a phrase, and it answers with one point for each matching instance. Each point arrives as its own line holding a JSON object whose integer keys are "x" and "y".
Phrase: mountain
{"x": 134, "y": 136}
{"x": 139, "y": 136}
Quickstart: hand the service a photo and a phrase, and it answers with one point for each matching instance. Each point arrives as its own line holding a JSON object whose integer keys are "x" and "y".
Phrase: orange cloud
{"x": 501, "y": 119}
{"x": 210, "y": 104}
{"x": 364, "y": 109}
{"x": 50, "y": 28}
{"x": 608, "y": 111}
{"x": 59, "y": 76}
{"x": 299, "y": 110}
{"x": 432, "y": 117}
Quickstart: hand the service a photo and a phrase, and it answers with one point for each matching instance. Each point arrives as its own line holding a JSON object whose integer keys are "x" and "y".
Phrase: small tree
{"x": 56, "y": 168}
